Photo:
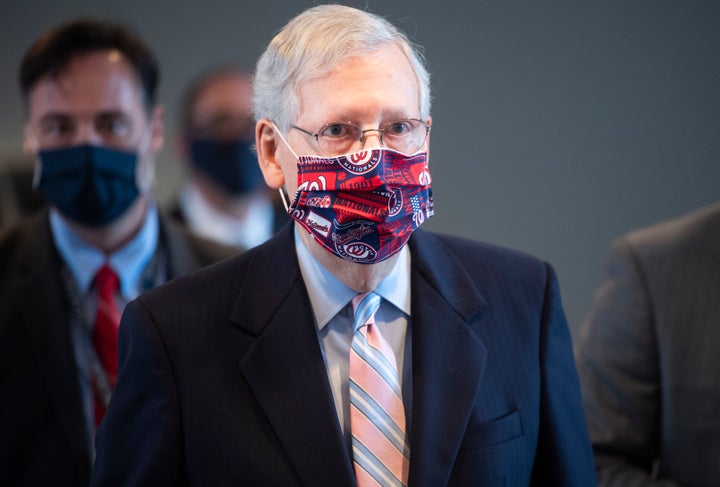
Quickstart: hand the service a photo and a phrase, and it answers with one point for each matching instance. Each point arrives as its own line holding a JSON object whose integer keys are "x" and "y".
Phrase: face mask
{"x": 363, "y": 206}
{"x": 232, "y": 164}
{"x": 89, "y": 184}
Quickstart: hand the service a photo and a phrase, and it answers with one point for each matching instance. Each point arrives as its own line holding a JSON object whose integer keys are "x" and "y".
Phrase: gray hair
{"x": 314, "y": 43}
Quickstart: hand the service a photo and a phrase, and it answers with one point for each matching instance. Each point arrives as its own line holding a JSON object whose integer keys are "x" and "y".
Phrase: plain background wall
{"x": 558, "y": 125}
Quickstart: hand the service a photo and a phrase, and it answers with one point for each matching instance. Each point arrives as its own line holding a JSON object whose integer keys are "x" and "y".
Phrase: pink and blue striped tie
{"x": 381, "y": 453}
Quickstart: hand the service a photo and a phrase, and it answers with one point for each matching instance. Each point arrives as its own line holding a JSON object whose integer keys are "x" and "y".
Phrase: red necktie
{"x": 105, "y": 335}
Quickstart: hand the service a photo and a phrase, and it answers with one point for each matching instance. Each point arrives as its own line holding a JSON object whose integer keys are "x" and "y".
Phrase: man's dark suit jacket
{"x": 42, "y": 429}
{"x": 222, "y": 380}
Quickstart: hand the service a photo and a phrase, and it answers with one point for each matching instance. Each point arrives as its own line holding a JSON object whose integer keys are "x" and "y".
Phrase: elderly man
{"x": 224, "y": 198}
{"x": 94, "y": 126}
{"x": 349, "y": 349}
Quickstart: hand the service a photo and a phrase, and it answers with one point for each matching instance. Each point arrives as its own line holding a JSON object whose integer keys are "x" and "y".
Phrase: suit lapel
{"x": 286, "y": 362}
{"x": 447, "y": 358}
{"x": 285, "y": 369}
{"x": 48, "y": 327}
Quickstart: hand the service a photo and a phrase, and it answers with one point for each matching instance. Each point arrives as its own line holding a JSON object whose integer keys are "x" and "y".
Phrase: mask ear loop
{"x": 284, "y": 199}
{"x": 284, "y": 195}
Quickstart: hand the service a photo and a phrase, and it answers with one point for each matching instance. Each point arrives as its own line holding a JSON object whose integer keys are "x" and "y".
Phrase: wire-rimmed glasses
{"x": 406, "y": 135}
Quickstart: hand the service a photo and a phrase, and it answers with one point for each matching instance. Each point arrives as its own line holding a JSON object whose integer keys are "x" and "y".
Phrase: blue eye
{"x": 337, "y": 130}
{"x": 113, "y": 125}
{"x": 401, "y": 127}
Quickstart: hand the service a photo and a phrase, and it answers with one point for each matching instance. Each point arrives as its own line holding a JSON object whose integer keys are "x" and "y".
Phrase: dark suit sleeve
{"x": 564, "y": 456}
{"x": 618, "y": 367}
{"x": 139, "y": 442}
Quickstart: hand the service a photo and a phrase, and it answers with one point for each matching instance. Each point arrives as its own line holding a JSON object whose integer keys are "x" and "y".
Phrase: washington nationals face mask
{"x": 363, "y": 206}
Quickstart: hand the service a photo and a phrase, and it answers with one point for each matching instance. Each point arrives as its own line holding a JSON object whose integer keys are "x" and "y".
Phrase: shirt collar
{"x": 328, "y": 295}
{"x": 83, "y": 260}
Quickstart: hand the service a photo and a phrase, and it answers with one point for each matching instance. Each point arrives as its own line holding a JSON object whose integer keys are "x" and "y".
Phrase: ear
{"x": 30, "y": 145}
{"x": 157, "y": 124}
{"x": 428, "y": 122}
{"x": 266, "y": 142}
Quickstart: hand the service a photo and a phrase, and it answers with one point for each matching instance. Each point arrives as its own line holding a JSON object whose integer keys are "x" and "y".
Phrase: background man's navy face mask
{"x": 89, "y": 184}
{"x": 229, "y": 163}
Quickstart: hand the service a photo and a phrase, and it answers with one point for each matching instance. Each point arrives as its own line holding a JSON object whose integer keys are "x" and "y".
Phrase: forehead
{"x": 89, "y": 83}
{"x": 229, "y": 94}
{"x": 363, "y": 88}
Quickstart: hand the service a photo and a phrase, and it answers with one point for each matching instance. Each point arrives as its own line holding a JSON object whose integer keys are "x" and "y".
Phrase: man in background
{"x": 224, "y": 198}
{"x": 94, "y": 126}
{"x": 648, "y": 357}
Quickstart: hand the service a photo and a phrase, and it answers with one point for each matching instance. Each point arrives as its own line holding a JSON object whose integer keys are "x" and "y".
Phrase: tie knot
{"x": 365, "y": 305}
{"x": 106, "y": 279}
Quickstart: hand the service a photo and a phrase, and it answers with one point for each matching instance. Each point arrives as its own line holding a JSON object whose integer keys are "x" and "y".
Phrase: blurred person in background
{"x": 94, "y": 126}
{"x": 648, "y": 357}
{"x": 224, "y": 197}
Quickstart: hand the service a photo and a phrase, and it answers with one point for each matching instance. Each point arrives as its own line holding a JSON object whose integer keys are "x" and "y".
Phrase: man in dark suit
{"x": 349, "y": 349}
{"x": 18, "y": 199}
{"x": 224, "y": 197}
{"x": 94, "y": 126}
{"x": 648, "y": 357}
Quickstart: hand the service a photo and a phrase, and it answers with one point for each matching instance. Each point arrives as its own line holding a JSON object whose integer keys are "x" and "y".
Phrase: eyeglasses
{"x": 406, "y": 135}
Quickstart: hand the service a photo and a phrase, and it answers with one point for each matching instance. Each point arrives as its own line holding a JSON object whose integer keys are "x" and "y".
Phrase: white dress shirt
{"x": 206, "y": 221}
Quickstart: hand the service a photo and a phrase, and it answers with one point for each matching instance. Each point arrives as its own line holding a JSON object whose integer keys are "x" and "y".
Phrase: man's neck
{"x": 362, "y": 278}
{"x": 109, "y": 238}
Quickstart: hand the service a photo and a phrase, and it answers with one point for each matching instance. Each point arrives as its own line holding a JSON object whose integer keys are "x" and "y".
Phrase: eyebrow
{"x": 111, "y": 114}
{"x": 385, "y": 117}
{"x": 54, "y": 116}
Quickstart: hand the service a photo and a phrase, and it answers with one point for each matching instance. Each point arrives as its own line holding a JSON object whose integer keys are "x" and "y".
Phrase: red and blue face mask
{"x": 363, "y": 206}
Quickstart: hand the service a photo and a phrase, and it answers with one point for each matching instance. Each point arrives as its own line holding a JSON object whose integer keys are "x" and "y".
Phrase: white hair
{"x": 314, "y": 43}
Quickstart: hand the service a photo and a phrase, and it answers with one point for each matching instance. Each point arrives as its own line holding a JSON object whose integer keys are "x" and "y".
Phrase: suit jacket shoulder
{"x": 698, "y": 230}
{"x": 671, "y": 260}
{"x": 498, "y": 273}
{"x": 187, "y": 252}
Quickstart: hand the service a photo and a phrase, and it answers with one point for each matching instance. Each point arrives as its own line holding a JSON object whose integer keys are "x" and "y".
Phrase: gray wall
{"x": 557, "y": 125}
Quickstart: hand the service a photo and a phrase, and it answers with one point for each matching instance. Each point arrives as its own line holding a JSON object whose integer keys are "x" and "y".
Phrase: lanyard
{"x": 148, "y": 280}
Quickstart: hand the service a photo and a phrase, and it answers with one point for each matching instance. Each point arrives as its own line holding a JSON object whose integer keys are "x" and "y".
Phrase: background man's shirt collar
{"x": 83, "y": 260}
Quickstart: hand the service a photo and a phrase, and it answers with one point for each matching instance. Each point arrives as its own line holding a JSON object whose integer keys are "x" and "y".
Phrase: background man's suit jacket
{"x": 649, "y": 357}
{"x": 42, "y": 430}
{"x": 222, "y": 380}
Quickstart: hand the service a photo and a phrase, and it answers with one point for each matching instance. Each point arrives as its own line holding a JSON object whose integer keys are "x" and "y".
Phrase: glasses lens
{"x": 406, "y": 135}
{"x": 338, "y": 138}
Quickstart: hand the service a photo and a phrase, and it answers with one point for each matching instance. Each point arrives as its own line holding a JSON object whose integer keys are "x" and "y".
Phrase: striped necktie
{"x": 105, "y": 338}
{"x": 381, "y": 453}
